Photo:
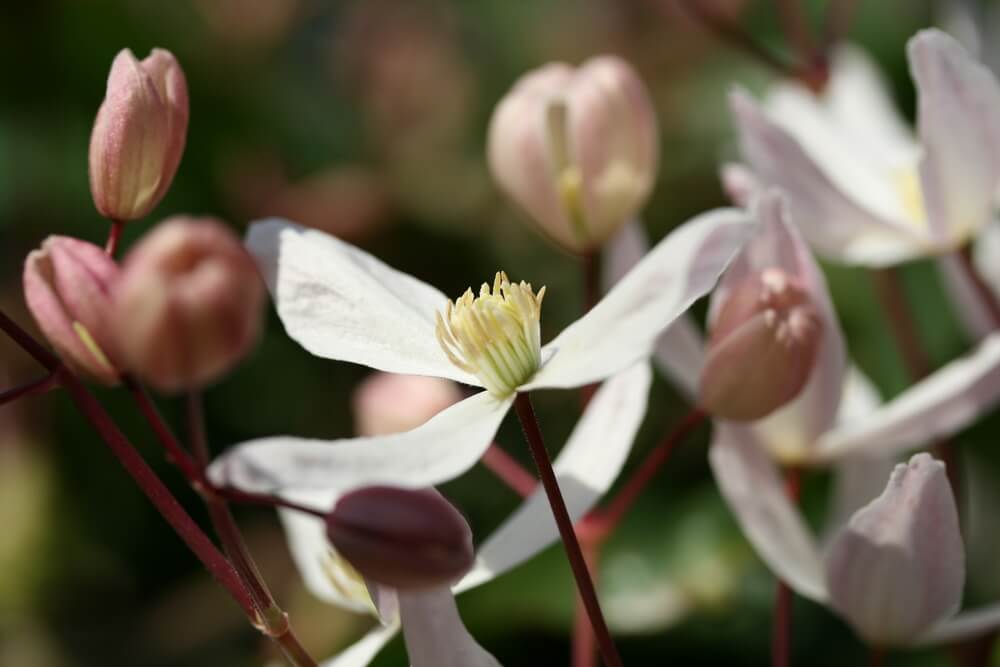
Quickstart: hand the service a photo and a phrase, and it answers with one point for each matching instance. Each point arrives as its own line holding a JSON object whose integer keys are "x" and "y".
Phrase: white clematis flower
{"x": 863, "y": 189}
{"x": 341, "y": 303}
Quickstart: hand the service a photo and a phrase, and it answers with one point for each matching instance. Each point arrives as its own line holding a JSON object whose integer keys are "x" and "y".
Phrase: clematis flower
{"x": 341, "y": 303}
{"x": 586, "y": 467}
{"x": 862, "y": 187}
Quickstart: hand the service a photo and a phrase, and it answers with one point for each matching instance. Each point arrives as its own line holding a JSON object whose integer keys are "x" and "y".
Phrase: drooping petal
{"x": 339, "y": 302}
{"x": 965, "y": 625}
{"x": 679, "y": 352}
{"x": 624, "y": 326}
{"x": 899, "y": 565}
{"x": 585, "y": 468}
{"x": 443, "y": 448}
{"x": 834, "y": 224}
{"x": 751, "y": 485}
{"x": 363, "y": 651}
{"x": 959, "y": 125}
{"x": 948, "y": 400}
{"x": 790, "y": 432}
{"x": 434, "y": 632}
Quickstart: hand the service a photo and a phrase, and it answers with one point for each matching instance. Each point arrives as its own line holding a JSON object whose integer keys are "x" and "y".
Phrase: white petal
{"x": 339, "y": 302}
{"x": 624, "y": 326}
{"x": 959, "y": 122}
{"x": 679, "y": 352}
{"x": 965, "y": 298}
{"x": 586, "y": 468}
{"x": 966, "y": 625}
{"x": 832, "y": 222}
{"x": 857, "y": 480}
{"x": 898, "y": 567}
{"x": 946, "y": 401}
{"x": 752, "y": 487}
{"x": 447, "y": 445}
{"x": 363, "y": 651}
{"x": 434, "y": 632}
{"x": 740, "y": 183}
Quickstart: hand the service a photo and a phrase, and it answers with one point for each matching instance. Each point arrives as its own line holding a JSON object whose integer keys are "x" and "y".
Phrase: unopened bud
{"x": 390, "y": 403}
{"x": 67, "y": 286}
{"x": 577, "y": 149}
{"x": 139, "y": 134}
{"x": 188, "y": 305}
{"x": 762, "y": 348}
{"x": 406, "y": 539}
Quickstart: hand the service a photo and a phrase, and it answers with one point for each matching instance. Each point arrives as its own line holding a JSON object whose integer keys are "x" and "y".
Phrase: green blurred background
{"x": 367, "y": 119}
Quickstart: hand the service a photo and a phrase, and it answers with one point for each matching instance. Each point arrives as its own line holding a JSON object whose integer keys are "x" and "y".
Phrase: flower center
{"x": 496, "y": 335}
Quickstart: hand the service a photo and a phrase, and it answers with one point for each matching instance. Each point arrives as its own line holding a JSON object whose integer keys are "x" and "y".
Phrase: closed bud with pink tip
{"x": 188, "y": 305}
{"x": 139, "y": 134}
{"x": 67, "y": 286}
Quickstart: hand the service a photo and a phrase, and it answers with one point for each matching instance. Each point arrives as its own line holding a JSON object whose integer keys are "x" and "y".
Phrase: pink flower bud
{"x": 406, "y": 539}
{"x": 188, "y": 304}
{"x": 576, "y": 149}
{"x": 762, "y": 348}
{"x": 389, "y": 403}
{"x": 67, "y": 286}
{"x": 898, "y": 567}
{"x": 139, "y": 134}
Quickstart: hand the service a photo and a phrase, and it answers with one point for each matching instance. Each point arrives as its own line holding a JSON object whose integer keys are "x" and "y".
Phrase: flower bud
{"x": 898, "y": 566}
{"x": 390, "y": 403}
{"x": 188, "y": 304}
{"x": 406, "y": 539}
{"x": 762, "y": 348}
{"x": 139, "y": 134}
{"x": 576, "y": 149}
{"x": 67, "y": 286}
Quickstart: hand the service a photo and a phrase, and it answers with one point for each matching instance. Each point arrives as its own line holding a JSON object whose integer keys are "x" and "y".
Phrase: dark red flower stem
{"x": 781, "y": 638}
{"x": 984, "y": 292}
{"x": 732, "y": 34}
{"x": 114, "y": 237}
{"x": 42, "y": 385}
{"x": 584, "y": 583}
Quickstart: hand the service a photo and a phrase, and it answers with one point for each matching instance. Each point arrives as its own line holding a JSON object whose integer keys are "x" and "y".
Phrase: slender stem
{"x": 584, "y": 641}
{"x": 732, "y": 34}
{"x": 510, "y": 472}
{"x": 984, "y": 292}
{"x": 902, "y": 323}
{"x": 264, "y": 500}
{"x": 609, "y": 518}
{"x": 175, "y": 451}
{"x": 584, "y": 584}
{"x": 114, "y": 237}
{"x": 781, "y": 639}
{"x": 43, "y": 384}
{"x": 591, "y": 265}
{"x": 837, "y": 22}
{"x": 877, "y": 657}
{"x": 796, "y": 28}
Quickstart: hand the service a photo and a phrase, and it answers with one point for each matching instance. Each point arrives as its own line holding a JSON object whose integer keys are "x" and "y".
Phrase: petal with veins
{"x": 339, "y": 302}
{"x": 443, "y": 448}
{"x": 623, "y": 327}
{"x": 751, "y": 485}
{"x": 966, "y": 625}
{"x": 586, "y": 468}
{"x": 434, "y": 632}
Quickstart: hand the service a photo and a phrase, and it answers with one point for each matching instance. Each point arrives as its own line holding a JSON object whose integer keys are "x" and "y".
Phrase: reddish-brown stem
{"x": 732, "y": 34}
{"x": 892, "y": 296}
{"x": 584, "y": 648}
{"x": 877, "y": 658}
{"x": 114, "y": 237}
{"x": 781, "y": 638}
{"x": 175, "y": 451}
{"x": 984, "y": 292}
{"x": 40, "y": 386}
{"x": 157, "y": 493}
{"x": 584, "y": 584}
{"x": 264, "y": 500}
{"x": 836, "y": 23}
{"x": 796, "y": 29}
{"x": 510, "y": 472}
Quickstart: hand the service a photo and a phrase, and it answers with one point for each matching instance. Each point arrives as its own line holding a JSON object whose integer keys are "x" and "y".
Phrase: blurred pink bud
{"x": 406, "y": 539}
{"x": 67, "y": 286}
{"x": 898, "y": 567}
{"x": 139, "y": 134}
{"x": 762, "y": 348}
{"x": 577, "y": 149}
{"x": 188, "y": 304}
{"x": 389, "y": 403}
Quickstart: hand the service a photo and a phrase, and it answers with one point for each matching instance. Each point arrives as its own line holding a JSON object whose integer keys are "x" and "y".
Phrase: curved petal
{"x": 679, "y": 352}
{"x": 363, "y": 651}
{"x": 623, "y": 327}
{"x": 968, "y": 305}
{"x": 434, "y": 632}
{"x": 966, "y": 625}
{"x": 946, "y": 401}
{"x": 834, "y": 224}
{"x": 339, "y": 302}
{"x": 959, "y": 125}
{"x": 441, "y": 449}
{"x": 586, "y": 468}
{"x": 749, "y": 481}
{"x": 857, "y": 480}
